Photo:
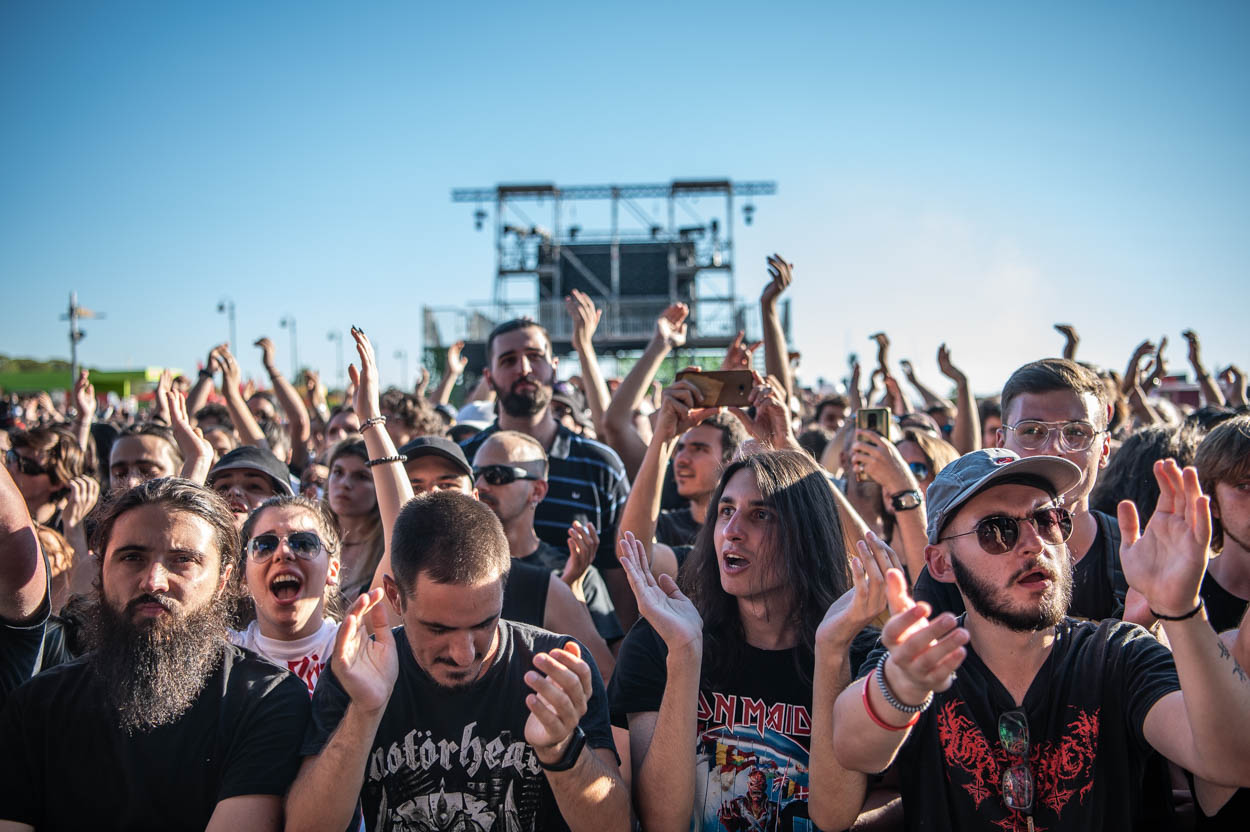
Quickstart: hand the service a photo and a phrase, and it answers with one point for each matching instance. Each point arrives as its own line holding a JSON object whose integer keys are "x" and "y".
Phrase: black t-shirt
{"x": 752, "y": 737}
{"x": 440, "y": 752}
{"x": 676, "y": 527}
{"x": 67, "y": 765}
{"x": 525, "y": 593}
{"x": 1224, "y": 609}
{"x": 598, "y": 601}
{"x": 1098, "y": 583}
{"x": 1086, "y": 708}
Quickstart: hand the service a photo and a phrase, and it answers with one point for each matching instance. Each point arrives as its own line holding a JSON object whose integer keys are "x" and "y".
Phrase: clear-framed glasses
{"x": 304, "y": 545}
{"x": 1032, "y": 434}
{"x": 1016, "y": 782}
{"x": 999, "y": 533}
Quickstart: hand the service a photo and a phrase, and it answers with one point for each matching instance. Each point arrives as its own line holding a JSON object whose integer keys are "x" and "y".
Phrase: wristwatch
{"x": 906, "y": 500}
{"x": 571, "y": 753}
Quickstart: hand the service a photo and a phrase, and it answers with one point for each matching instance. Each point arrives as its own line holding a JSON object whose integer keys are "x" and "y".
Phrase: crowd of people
{"x": 593, "y": 603}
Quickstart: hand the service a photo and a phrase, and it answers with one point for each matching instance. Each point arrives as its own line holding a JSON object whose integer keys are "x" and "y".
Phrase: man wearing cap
{"x": 587, "y": 481}
{"x": 246, "y": 477}
{"x": 1057, "y": 407}
{"x": 1049, "y": 721}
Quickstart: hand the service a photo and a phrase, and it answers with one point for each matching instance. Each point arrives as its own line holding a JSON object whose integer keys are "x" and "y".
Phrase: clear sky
{"x": 947, "y": 171}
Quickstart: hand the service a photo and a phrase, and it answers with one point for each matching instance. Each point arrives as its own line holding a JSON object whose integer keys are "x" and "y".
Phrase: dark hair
{"x": 836, "y": 400}
{"x": 267, "y": 396}
{"x": 64, "y": 458}
{"x": 1051, "y": 374}
{"x": 173, "y": 494}
{"x": 278, "y": 439}
{"x": 989, "y": 407}
{"x": 1223, "y": 456}
{"x": 328, "y": 530}
{"x": 512, "y": 326}
{"x": 1209, "y": 416}
{"x": 154, "y": 429}
{"x": 451, "y": 537}
{"x": 814, "y": 440}
{"x": 214, "y": 413}
{"x": 811, "y": 554}
{"x": 1130, "y": 474}
{"x": 732, "y": 433}
{"x": 414, "y": 413}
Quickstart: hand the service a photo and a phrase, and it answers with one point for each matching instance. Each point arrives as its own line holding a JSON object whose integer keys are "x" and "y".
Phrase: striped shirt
{"x": 586, "y": 481}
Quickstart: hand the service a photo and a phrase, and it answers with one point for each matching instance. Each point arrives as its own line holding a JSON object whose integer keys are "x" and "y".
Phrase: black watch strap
{"x": 571, "y": 753}
{"x": 906, "y": 500}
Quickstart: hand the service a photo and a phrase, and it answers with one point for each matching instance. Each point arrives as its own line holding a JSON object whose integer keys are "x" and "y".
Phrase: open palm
{"x": 366, "y": 667}
{"x": 1167, "y": 562}
{"x": 665, "y": 607}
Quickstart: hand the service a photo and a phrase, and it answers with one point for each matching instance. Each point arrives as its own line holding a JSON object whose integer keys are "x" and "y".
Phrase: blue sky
{"x": 963, "y": 172}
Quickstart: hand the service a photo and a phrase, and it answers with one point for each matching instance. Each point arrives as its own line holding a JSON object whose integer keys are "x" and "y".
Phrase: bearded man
{"x": 164, "y": 724}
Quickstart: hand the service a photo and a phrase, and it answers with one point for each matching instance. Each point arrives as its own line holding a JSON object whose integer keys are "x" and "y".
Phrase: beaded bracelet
{"x": 382, "y": 460}
{"x": 878, "y": 721}
{"x": 889, "y": 694}
{"x": 372, "y": 423}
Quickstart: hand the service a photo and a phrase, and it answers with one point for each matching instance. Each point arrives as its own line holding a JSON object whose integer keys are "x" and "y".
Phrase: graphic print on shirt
{"x": 308, "y": 669}
{"x": 751, "y": 765}
{"x": 472, "y": 785}
{"x": 1062, "y": 769}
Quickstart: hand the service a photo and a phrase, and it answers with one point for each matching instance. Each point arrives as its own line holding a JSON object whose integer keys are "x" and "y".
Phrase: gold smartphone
{"x": 721, "y": 388}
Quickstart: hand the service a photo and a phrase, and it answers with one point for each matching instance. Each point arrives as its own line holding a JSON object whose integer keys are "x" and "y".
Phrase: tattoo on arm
{"x": 1237, "y": 671}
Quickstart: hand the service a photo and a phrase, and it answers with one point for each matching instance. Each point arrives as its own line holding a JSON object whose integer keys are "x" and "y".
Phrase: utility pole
{"x": 74, "y": 315}
{"x": 402, "y": 355}
{"x": 226, "y": 305}
{"x": 289, "y": 323}
{"x": 337, "y": 337}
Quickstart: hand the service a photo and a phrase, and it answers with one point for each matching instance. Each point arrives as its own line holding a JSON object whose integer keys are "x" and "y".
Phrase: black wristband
{"x": 1186, "y": 616}
{"x": 574, "y": 750}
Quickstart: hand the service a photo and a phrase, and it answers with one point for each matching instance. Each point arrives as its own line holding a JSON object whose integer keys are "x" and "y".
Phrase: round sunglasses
{"x": 999, "y": 533}
{"x": 304, "y": 545}
{"x": 501, "y": 474}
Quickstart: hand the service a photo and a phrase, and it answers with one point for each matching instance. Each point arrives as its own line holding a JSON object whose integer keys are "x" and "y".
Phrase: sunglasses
{"x": 1016, "y": 782}
{"x": 1073, "y": 436}
{"x": 304, "y": 545}
{"x": 919, "y": 469}
{"x": 998, "y": 534}
{"x": 501, "y": 474}
{"x": 23, "y": 464}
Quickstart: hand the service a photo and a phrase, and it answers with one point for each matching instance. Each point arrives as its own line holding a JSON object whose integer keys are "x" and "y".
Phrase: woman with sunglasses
{"x": 290, "y": 572}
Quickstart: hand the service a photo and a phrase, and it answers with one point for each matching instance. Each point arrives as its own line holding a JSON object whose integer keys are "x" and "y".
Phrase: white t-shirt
{"x": 305, "y": 657}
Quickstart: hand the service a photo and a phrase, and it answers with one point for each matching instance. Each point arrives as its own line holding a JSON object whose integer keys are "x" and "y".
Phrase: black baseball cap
{"x": 438, "y": 446}
{"x": 252, "y": 458}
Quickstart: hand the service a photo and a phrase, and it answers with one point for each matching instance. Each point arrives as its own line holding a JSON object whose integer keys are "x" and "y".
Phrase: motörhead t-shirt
{"x": 1087, "y": 751}
{"x": 458, "y": 759}
{"x": 752, "y": 737}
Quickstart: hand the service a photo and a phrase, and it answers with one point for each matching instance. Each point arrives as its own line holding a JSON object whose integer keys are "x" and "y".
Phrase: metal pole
{"x": 289, "y": 322}
{"x": 337, "y": 337}
{"x": 226, "y": 305}
{"x": 73, "y": 337}
{"x": 402, "y": 355}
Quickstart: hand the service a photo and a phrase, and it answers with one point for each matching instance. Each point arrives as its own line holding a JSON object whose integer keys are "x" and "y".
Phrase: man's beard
{"x": 524, "y": 404}
{"x": 987, "y": 602}
{"x": 153, "y": 672}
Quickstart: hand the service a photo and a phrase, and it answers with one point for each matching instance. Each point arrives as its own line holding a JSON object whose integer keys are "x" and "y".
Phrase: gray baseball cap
{"x": 972, "y": 473}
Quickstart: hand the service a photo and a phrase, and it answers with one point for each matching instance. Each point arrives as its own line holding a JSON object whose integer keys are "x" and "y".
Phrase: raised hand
{"x": 455, "y": 361}
{"x": 948, "y": 369}
{"x": 423, "y": 381}
{"x": 84, "y": 397}
{"x": 878, "y": 458}
{"x": 562, "y": 686}
{"x": 780, "y": 274}
{"x": 909, "y": 372}
{"x": 669, "y": 612}
{"x": 585, "y": 317}
{"x": 883, "y": 349}
{"x": 924, "y": 654}
{"x": 365, "y": 380}
{"x": 266, "y": 353}
{"x": 583, "y": 543}
{"x": 163, "y": 386}
{"x": 739, "y": 354}
{"x": 231, "y": 376}
{"x": 366, "y": 667}
{"x": 197, "y": 453}
{"x": 1071, "y": 339}
{"x": 84, "y": 491}
{"x": 670, "y": 327}
{"x": 680, "y": 410}
{"x": 771, "y": 425}
{"x": 1167, "y": 561}
{"x": 865, "y": 600}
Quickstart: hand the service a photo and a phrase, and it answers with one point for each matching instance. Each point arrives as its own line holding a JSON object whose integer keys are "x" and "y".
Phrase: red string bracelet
{"x": 881, "y": 723}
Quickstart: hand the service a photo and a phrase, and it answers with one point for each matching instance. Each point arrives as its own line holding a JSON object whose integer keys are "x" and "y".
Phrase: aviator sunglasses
{"x": 304, "y": 545}
{"x": 998, "y": 533}
{"x": 502, "y": 474}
